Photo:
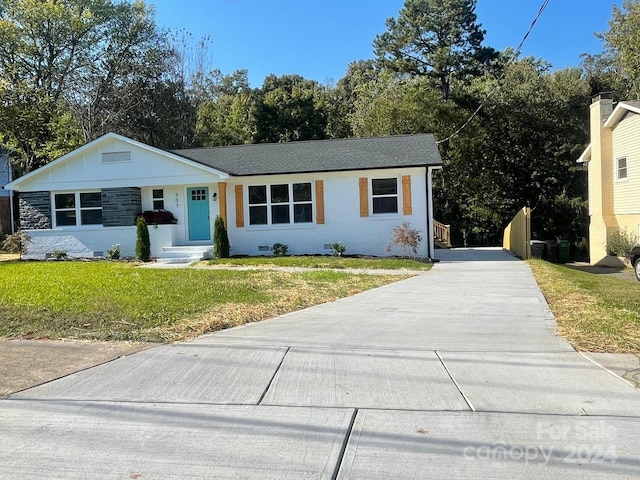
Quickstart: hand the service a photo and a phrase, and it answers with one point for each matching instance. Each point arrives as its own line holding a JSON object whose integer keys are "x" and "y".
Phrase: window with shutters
{"x": 280, "y": 204}
{"x": 384, "y": 195}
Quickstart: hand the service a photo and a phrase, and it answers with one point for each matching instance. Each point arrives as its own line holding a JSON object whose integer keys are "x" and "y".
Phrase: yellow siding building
{"x": 613, "y": 160}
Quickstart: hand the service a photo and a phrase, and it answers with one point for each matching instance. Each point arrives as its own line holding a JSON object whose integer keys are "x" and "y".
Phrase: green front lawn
{"x": 120, "y": 301}
{"x": 595, "y": 313}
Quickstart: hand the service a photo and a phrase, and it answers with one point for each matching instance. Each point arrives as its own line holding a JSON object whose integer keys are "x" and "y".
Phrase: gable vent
{"x": 116, "y": 157}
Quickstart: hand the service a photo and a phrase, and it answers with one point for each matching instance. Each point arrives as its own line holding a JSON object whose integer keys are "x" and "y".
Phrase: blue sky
{"x": 318, "y": 39}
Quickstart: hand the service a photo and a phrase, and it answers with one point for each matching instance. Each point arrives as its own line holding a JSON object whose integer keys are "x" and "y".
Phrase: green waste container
{"x": 563, "y": 251}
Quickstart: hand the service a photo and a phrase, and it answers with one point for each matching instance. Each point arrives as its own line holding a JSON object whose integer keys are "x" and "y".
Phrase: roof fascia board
{"x": 586, "y": 155}
{"x": 618, "y": 113}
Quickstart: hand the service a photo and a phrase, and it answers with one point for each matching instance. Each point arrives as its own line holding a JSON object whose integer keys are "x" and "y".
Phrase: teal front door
{"x": 198, "y": 207}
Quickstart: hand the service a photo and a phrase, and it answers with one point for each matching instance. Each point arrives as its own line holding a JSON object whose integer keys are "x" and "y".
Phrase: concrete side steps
{"x": 185, "y": 254}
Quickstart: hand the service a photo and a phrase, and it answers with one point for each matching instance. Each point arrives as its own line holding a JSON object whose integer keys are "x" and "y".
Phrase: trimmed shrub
{"x": 221, "y": 245}
{"x": 113, "y": 253}
{"x": 143, "y": 243}
{"x": 59, "y": 255}
{"x": 338, "y": 249}
{"x": 279, "y": 249}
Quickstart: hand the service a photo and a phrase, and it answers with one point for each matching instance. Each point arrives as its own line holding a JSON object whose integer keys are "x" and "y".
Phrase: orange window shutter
{"x": 319, "y": 202}
{"x": 406, "y": 195}
{"x": 239, "y": 207}
{"x": 222, "y": 201}
{"x": 364, "y": 197}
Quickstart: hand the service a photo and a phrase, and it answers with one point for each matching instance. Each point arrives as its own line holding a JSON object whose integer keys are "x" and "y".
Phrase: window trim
{"x": 157, "y": 199}
{"x": 619, "y": 178}
{"x": 77, "y": 208}
{"x": 397, "y": 196}
{"x": 291, "y": 203}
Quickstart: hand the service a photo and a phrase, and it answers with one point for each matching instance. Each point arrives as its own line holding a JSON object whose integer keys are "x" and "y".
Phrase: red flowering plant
{"x": 158, "y": 217}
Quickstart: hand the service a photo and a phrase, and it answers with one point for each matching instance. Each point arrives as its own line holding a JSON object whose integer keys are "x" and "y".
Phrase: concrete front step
{"x": 185, "y": 254}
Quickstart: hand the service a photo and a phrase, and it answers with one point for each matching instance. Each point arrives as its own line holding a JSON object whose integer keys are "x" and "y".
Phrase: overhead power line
{"x": 514, "y": 57}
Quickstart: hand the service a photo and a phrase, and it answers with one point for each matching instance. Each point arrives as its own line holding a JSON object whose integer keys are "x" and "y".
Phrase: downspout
{"x": 430, "y": 243}
{"x": 12, "y": 226}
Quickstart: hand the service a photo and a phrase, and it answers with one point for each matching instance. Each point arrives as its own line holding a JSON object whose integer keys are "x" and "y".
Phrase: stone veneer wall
{"x": 35, "y": 210}
{"x": 120, "y": 206}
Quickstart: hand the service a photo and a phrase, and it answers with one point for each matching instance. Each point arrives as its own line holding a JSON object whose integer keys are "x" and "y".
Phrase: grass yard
{"x": 326, "y": 262}
{"x": 120, "y": 301}
{"x": 594, "y": 312}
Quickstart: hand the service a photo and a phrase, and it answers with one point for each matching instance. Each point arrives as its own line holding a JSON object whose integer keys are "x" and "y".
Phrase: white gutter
{"x": 11, "y": 219}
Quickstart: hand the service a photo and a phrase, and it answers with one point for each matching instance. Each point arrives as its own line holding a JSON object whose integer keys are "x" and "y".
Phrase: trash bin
{"x": 563, "y": 251}
{"x": 537, "y": 249}
{"x": 552, "y": 251}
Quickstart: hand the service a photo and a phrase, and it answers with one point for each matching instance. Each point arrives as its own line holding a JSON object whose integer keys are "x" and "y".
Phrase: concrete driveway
{"x": 455, "y": 373}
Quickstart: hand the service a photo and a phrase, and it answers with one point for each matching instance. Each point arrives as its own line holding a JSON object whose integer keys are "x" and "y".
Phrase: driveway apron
{"x": 454, "y": 373}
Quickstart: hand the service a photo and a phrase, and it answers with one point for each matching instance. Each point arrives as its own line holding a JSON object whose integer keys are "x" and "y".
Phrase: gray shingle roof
{"x": 320, "y": 155}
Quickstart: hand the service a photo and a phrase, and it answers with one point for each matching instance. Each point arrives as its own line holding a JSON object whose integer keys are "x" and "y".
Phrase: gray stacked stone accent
{"x": 120, "y": 206}
{"x": 35, "y": 210}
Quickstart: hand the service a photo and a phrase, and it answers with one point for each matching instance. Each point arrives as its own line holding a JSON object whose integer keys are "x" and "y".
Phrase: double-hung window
{"x": 78, "y": 208}
{"x": 280, "y": 204}
{"x": 622, "y": 169}
{"x": 384, "y": 193}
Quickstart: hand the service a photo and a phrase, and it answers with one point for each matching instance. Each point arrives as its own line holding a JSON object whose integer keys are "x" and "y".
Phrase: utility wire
{"x": 514, "y": 57}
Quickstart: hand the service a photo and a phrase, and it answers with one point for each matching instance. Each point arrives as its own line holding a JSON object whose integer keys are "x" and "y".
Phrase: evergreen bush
{"x": 143, "y": 243}
{"x": 221, "y": 245}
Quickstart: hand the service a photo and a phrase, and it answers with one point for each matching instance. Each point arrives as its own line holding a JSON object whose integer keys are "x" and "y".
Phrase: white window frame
{"x": 291, "y": 203}
{"x": 395, "y": 195}
{"x": 620, "y": 169}
{"x": 158, "y": 199}
{"x": 77, "y": 208}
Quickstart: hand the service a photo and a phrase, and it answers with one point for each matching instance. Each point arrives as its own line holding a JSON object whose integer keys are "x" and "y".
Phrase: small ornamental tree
{"x": 220, "y": 239}
{"x": 143, "y": 243}
{"x": 406, "y": 237}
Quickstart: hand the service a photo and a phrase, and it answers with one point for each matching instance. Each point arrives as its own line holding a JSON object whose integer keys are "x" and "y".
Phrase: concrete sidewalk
{"x": 455, "y": 373}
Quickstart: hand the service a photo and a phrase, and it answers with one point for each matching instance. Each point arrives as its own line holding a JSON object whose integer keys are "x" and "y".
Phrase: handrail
{"x": 442, "y": 233}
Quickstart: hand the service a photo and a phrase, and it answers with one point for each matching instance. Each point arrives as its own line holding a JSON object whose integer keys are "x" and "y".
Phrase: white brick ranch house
{"x": 307, "y": 195}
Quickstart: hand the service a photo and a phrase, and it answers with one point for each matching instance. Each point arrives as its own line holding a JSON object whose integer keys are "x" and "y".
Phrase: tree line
{"x": 510, "y": 129}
